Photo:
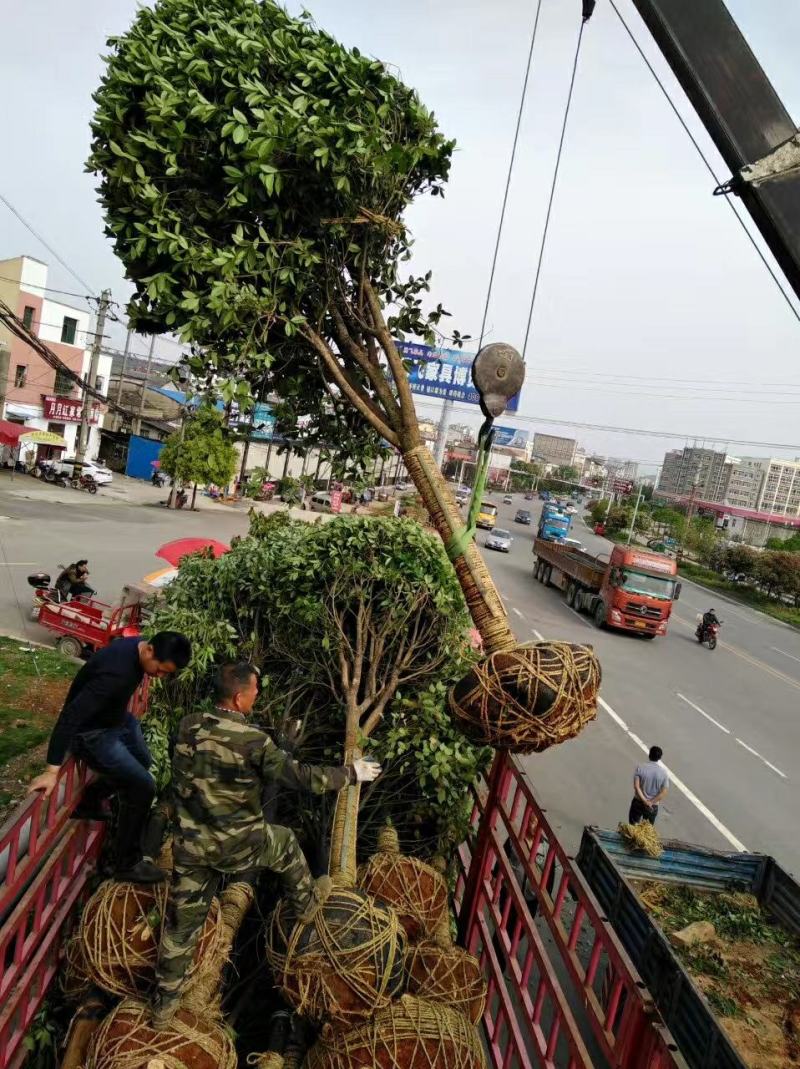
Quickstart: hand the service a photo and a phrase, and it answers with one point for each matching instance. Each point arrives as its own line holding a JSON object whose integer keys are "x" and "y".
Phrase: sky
{"x": 653, "y": 311}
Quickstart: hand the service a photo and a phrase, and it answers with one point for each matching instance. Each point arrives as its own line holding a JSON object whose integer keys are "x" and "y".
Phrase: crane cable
{"x": 588, "y": 8}
{"x": 511, "y": 161}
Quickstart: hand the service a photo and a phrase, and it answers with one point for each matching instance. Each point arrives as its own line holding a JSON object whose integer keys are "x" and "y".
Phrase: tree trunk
{"x": 344, "y": 833}
{"x": 194, "y": 496}
{"x": 483, "y": 601}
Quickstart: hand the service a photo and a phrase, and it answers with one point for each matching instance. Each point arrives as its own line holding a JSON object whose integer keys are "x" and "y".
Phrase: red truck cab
{"x": 638, "y": 590}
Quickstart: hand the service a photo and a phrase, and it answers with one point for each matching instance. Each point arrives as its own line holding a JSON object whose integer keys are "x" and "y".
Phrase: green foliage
{"x": 358, "y": 613}
{"x": 786, "y": 545}
{"x": 523, "y": 476}
{"x": 702, "y": 538}
{"x": 202, "y": 454}
{"x": 289, "y": 490}
{"x": 254, "y": 173}
{"x": 779, "y": 573}
{"x": 42, "y": 1040}
{"x": 747, "y": 594}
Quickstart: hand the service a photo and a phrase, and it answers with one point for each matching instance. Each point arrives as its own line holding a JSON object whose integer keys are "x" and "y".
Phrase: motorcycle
{"x": 84, "y": 482}
{"x": 44, "y": 591}
{"x": 158, "y": 479}
{"x": 707, "y": 635}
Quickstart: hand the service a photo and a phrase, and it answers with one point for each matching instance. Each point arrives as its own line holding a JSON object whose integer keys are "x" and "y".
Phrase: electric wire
{"x": 704, "y": 158}
{"x": 49, "y": 247}
{"x": 520, "y": 111}
{"x": 553, "y": 186}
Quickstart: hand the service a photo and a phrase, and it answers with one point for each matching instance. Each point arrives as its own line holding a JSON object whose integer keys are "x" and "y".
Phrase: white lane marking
{"x": 726, "y": 833}
{"x": 755, "y": 753}
{"x": 702, "y": 712}
{"x": 538, "y": 634}
{"x": 519, "y": 614}
{"x": 32, "y": 564}
{"x": 581, "y": 618}
{"x": 785, "y": 654}
{"x": 502, "y": 595}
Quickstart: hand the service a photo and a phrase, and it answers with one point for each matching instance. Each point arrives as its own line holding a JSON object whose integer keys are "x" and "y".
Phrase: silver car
{"x": 499, "y": 540}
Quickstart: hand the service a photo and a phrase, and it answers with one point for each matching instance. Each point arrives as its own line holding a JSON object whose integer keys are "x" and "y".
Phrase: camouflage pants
{"x": 190, "y": 895}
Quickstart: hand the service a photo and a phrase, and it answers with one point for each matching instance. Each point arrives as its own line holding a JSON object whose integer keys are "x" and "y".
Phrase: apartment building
{"x": 766, "y": 484}
{"x": 36, "y": 395}
{"x": 555, "y": 450}
{"x": 705, "y": 472}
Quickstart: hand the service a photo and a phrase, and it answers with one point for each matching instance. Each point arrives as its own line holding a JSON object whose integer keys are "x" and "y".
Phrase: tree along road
{"x": 728, "y": 720}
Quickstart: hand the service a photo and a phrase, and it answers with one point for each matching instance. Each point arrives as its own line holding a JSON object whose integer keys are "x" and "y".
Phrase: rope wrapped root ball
{"x": 74, "y": 975}
{"x": 345, "y": 965}
{"x": 411, "y": 1033}
{"x": 438, "y": 971}
{"x": 126, "y": 1040}
{"x": 416, "y": 891}
{"x": 120, "y": 931}
{"x": 529, "y": 698}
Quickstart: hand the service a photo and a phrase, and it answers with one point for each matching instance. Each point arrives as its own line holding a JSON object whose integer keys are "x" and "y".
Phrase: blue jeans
{"x": 121, "y": 759}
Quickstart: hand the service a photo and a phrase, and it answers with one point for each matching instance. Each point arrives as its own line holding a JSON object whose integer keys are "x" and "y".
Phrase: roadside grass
{"x": 744, "y": 594}
{"x": 30, "y": 701}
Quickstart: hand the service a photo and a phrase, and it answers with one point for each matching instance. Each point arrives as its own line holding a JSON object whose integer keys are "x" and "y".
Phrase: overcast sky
{"x": 653, "y": 310}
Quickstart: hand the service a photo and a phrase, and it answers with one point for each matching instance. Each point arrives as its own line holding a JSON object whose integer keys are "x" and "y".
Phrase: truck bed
{"x": 576, "y": 563}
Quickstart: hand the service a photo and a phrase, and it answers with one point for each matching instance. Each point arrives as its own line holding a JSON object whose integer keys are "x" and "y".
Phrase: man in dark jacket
{"x": 72, "y": 581}
{"x": 96, "y": 727}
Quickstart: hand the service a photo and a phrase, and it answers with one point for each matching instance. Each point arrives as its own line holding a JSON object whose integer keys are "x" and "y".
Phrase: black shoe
{"x": 140, "y": 872}
{"x": 89, "y": 812}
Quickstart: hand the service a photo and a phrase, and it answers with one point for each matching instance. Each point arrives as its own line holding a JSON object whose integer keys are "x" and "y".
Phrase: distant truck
{"x": 554, "y": 523}
{"x": 633, "y": 591}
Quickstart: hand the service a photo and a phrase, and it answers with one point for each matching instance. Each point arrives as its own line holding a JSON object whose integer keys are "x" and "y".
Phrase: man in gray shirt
{"x": 650, "y": 786}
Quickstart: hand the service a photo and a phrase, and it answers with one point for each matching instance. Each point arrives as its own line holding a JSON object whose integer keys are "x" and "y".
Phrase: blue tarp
{"x": 141, "y": 454}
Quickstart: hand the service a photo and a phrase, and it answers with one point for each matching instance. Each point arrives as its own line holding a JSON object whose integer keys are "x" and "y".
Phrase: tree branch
{"x": 396, "y": 365}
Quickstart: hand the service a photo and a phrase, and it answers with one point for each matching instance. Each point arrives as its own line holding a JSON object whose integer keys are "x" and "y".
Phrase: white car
{"x": 98, "y": 472}
{"x": 499, "y": 540}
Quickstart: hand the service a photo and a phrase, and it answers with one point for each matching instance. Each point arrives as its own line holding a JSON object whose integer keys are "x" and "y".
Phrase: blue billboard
{"x": 512, "y": 437}
{"x": 443, "y": 373}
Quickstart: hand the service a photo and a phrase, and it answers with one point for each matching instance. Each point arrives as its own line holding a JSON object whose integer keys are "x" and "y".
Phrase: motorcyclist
{"x": 72, "y": 581}
{"x": 709, "y": 620}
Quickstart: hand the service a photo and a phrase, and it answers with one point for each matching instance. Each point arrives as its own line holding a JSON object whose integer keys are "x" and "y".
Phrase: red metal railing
{"x": 513, "y": 872}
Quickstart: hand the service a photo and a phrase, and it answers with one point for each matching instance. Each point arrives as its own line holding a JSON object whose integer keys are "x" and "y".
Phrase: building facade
{"x": 555, "y": 450}
{"x": 705, "y": 472}
{"x": 766, "y": 484}
{"x": 36, "y": 395}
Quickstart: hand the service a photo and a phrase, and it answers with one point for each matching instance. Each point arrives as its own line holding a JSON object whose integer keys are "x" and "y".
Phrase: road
{"x": 728, "y": 720}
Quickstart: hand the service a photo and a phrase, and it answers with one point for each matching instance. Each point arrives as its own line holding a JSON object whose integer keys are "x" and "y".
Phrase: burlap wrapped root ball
{"x": 126, "y": 1040}
{"x": 345, "y": 965}
{"x": 120, "y": 931}
{"x": 438, "y": 971}
{"x": 417, "y": 892}
{"x": 411, "y": 1033}
{"x": 529, "y": 698}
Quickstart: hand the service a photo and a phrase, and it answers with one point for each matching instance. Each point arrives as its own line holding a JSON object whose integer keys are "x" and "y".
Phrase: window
{"x": 99, "y": 382}
{"x": 68, "y": 330}
{"x": 27, "y": 317}
{"x": 63, "y": 384}
{"x": 21, "y": 375}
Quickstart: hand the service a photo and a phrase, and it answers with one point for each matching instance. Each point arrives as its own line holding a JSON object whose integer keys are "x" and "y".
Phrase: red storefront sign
{"x": 336, "y": 501}
{"x": 67, "y": 410}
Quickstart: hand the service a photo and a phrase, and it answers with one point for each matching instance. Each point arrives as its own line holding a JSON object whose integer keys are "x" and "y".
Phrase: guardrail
{"x": 514, "y": 871}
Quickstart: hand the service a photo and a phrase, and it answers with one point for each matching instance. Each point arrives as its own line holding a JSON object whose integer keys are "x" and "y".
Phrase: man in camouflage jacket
{"x": 219, "y": 769}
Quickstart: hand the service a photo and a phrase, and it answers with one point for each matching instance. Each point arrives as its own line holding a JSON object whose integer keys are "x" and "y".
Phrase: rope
{"x": 268, "y": 1060}
{"x": 510, "y": 171}
{"x": 416, "y": 891}
{"x": 409, "y": 1034}
{"x": 204, "y": 994}
{"x": 127, "y": 1040}
{"x": 706, "y": 161}
{"x": 345, "y": 966}
{"x": 447, "y": 974}
{"x": 553, "y": 187}
{"x": 530, "y": 698}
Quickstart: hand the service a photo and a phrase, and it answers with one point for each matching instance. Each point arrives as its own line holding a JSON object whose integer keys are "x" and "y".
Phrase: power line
{"x": 706, "y": 161}
{"x": 49, "y": 247}
{"x": 47, "y": 289}
{"x": 510, "y": 170}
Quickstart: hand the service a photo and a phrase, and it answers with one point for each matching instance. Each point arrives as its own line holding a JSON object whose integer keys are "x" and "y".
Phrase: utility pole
{"x": 441, "y": 433}
{"x": 635, "y": 514}
{"x": 91, "y": 378}
{"x": 137, "y": 423}
{"x": 128, "y": 337}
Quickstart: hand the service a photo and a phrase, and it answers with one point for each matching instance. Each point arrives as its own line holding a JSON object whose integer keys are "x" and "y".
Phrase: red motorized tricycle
{"x": 85, "y": 625}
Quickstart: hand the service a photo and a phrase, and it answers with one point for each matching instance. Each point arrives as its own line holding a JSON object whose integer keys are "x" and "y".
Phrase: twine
{"x": 120, "y": 932}
{"x": 642, "y": 837}
{"x": 268, "y": 1060}
{"x": 530, "y": 698}
{"x": 441, "y": 972}
{"x": 416, "y": 891}
{"x": 388, "y": 840}
{"x": 483, "y": 601}
{"x": 75, "y": 980}
{"x": 343, "y": 967}
{"x": 409, "y": 1034}
{"x": 127, "y": 1040}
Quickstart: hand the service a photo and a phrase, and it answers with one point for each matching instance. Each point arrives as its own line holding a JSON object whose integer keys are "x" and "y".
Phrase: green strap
{"x": 459, "y": 540}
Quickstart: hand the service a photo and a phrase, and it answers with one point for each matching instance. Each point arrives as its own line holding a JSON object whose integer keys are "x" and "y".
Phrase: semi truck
{"x": 632, "y": 590}
{"x": 554, "y": 523}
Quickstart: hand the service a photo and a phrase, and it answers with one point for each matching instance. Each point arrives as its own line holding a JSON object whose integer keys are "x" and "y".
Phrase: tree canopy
{"x": 203, "y": 453}
{"x": 254, "y": 173}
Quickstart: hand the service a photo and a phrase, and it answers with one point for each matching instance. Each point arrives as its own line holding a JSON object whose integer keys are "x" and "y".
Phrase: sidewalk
{"x": 121, "y": 491}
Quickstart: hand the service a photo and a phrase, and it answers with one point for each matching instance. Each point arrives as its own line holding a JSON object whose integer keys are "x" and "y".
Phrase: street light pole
{"x": 635, "y": 514}
{"x": 91, "y": 378}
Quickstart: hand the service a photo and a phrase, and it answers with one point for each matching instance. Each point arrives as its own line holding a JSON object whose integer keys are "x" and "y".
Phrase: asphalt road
{"x": 728, "y": 720}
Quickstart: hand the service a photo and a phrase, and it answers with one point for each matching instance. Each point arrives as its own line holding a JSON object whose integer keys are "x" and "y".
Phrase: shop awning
{"x": 14, "y": 434}
{"x": 10, "y": 432}
{"x": 43, "y": 438}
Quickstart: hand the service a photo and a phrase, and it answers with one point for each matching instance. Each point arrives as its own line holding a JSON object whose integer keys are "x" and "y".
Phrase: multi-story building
{"x": 766, "y": 484}
{"x": 36, "y": 395}
{"x": 704, "y": 472}
{"x": 555, "y": 450}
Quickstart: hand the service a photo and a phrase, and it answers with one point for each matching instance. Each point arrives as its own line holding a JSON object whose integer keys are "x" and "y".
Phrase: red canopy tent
{"x": 10, "y": 432}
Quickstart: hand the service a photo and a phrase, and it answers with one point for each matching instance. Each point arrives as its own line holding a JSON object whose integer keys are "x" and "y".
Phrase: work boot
{"x": 319, "y": 896}
{"x": 140, "y": 872}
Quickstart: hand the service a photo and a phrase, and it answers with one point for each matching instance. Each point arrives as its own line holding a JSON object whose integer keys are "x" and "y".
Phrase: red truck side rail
{"x": 518, "y": 893}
